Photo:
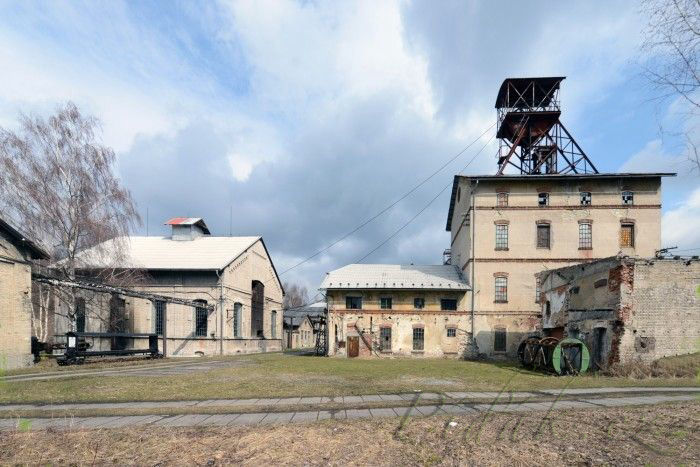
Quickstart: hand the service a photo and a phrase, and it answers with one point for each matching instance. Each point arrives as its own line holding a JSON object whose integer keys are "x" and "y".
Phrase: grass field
{"x": 281, "y": 375}
{"x": 658, "y": 435}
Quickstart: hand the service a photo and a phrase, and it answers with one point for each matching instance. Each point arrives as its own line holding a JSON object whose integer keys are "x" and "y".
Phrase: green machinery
{"x": 566, "y": 356}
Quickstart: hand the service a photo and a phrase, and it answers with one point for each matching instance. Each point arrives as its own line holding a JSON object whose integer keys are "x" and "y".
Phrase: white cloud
{"x": 681, "y": 225}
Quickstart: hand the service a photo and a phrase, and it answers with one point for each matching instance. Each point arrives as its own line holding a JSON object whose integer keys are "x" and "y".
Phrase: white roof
{"x": 395, "y": 276}
{"x": 202, "y": 253}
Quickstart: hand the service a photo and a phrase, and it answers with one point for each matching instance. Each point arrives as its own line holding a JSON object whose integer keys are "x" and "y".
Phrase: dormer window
{"x": 187, "y": 228}
{"x": 543, "y": 199}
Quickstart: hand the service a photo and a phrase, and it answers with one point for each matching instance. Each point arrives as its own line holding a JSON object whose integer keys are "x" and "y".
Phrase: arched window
{"x": 257, "y": 309}
{"x": 201, "y": 315}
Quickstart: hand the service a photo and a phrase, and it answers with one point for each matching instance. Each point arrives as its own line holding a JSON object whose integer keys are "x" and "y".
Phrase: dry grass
{"x": 667, "y": 434}
{"x": 684, "y": 366}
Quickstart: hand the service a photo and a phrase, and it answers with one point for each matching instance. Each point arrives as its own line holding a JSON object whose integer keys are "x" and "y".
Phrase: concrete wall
{"x": 522, "y": 260}
{"x": 15, "y": 306}
{"x": 235, "y": 287}
{"x": 366, "y": 324}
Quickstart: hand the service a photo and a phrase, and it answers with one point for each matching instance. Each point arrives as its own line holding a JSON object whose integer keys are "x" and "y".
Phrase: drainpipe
{"x": 473, "y": 277}
{"x": 221, "y": 313}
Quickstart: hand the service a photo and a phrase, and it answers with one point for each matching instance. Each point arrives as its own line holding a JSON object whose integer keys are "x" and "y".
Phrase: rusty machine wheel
{"x": 564, "y": 357}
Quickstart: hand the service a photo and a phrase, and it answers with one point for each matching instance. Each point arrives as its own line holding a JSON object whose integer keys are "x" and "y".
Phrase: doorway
{"x": 353, "y": 346}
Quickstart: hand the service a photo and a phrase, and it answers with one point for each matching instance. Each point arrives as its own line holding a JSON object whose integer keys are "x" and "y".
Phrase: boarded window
{"x": 80, "y": 315}
{"x": 385, "y": 339}
{"x": 543, "y": 199}
{"x": 586, "y": 198}
{"x": 273, "y": 324}
{"x": 502, "y": 200}
{"x": 237, "y": 317}
{"x": 451, "y": 332}
{"x": 418, "y": 303}
{"x": 499, "y": 340}
{"x": 543, "y": 235}
{"x": 585, "y": 236}
{"x": 353, "y": 303}
{"x": 159, "y": 314}
{"x": 627, "y": 235}
{"x": 201, "y": 315}
{"x": 385, "y": 303}
{"x": 501, "y": 236}
{"x": 627, "y": 197}
{"x": 448, "y": 304}
{"x": 501, "y": 284}
{"x": 418, "y": 338}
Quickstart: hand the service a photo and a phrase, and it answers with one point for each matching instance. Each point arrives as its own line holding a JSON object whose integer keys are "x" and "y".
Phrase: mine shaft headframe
{"x": 531, "y": 137}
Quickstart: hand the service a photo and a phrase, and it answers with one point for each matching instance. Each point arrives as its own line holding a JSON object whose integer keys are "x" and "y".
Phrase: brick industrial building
{"x": 625, "y": 309}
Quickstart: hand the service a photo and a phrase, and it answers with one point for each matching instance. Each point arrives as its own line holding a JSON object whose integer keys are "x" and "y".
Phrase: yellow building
{"x": 16, "y": 254}
{"x": 385, "y": 310}
{"x": 506, "y": 228}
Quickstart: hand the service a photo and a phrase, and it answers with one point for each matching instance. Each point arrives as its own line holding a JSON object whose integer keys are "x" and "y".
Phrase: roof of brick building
{"x": 395, "y": 276}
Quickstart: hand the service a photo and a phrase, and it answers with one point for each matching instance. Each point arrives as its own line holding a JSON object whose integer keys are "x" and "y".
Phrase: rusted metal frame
{"x": 553, "y": 89}
{"x": 578, "y": 147}
{"x": 521, "y": 132}
{"x": 103, "y": 288}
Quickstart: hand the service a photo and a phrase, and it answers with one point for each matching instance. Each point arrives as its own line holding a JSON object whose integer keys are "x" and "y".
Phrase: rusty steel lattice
{"x": 531, "y": 137}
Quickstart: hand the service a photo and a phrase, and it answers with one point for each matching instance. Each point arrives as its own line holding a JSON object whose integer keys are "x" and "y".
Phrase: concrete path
{"x": 71, "y": 423}
{"x": 419, "y": 398}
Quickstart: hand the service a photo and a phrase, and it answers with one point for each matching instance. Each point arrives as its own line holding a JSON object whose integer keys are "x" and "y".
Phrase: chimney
{"x": 187, "y": 228}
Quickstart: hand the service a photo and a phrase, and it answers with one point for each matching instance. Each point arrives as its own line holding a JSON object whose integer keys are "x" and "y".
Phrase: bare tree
{"x": 57, "y": 181}
{"x": 295, "y": 296}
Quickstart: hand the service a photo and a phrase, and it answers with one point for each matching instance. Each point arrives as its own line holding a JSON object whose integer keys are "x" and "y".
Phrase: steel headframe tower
{"x": 531, "y": 137}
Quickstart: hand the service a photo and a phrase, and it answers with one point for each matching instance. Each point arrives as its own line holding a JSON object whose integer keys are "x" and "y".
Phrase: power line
{"x": 404, "y": 196}
{"x": 424, "y": 207}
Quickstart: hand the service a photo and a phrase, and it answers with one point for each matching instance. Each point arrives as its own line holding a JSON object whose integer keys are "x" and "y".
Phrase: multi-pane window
{"x": 237, "y": 317}
{"x": 80, "y": 314}
{"x": 627, "y": 197}
{"x": 501, "y": 288}
{"x": 385, "y": 303}
{"x": 543, "y": 235}
{"x": 502, "y": 200}
{"x": 418, "y": 338}
{"x": 499, "y": 339}
{"x": 627, "y": 235}
{"x": 273, "y": 324}
{"x": 353, "y": 303}
{"x": 200, "y": 316}
{"x": 448, "y": 304}
{"x": 451, "y": 332}
{"x": 543, "y": 199}
{"x": 586, "y": 198}
{"x": 385, "y": 339}
{"x": 160, "y": 314}
{"x": 418, "y": 303}
{"x": 501, "y": 236}
{"x": 585, "y": 236}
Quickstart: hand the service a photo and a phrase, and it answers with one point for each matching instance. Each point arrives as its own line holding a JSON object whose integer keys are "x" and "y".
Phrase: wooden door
{"x": 353, "y": 346}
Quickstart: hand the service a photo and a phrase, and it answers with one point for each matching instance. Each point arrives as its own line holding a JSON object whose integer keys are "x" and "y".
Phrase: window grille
{"x": 627, "y": 235}
{"x": 385, "y": 339}
{"x": 418, "y": 338}
{"x": 585, "y": 236}
{"x": 501, "y": 285}
{"x": 501, "y": 236}
{"x": 160, "y": 312}
{"x": 201, "y": 315}
{"x": 451, "y": 332}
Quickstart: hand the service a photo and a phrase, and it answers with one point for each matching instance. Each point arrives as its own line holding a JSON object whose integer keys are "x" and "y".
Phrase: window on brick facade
{"x": 201, "y": 315}
{"x": 627, "y": 235}
{"x": 385, "y": 303}
{"x": 501, "y": 236}
{"x": 237, "y": 317}
{"x": 543, "y": 199}
{"x": 585, "y": 198}
{"x": 499, "y": 339}
{"x": 451, "y": 332}
{"x": 418, "y": 303}
{"x": 159, "y": 315}
{"x": 502, "y": 200}
{"x": 80, "y": 314}
{"x": 585, "y": 236}
{"x": 627, "y": 197}
{"x": 273, "y": 324}
{"x": 353, "y": 303}
{"x": 448, "y": 304}
{"x": 385, "y": 339}
{"x": 418, "y": 338}
{"x": 501, "y": 289}
{"x": 543, "y": 235}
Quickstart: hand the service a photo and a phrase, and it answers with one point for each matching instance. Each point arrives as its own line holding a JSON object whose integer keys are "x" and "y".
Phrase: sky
{"x": 300, "y": 120}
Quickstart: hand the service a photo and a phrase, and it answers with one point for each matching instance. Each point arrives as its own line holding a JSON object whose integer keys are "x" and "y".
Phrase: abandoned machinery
{"x": 561, "y": 356}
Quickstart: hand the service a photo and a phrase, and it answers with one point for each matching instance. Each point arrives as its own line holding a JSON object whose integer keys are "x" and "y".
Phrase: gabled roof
{"x": 163, "y": 253}
{"x": 198, "y": 221}
{"x": 36, "y": 250}
{"x": 395, "y": 276}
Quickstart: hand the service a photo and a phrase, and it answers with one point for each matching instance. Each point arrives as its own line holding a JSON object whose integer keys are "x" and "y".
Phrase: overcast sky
{"x": 306, "y": 118}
